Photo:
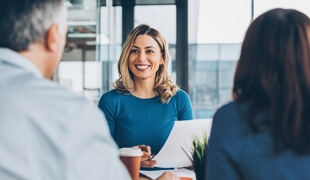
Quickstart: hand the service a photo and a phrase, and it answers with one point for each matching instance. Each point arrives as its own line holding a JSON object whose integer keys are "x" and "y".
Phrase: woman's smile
{"x": 142, "y": 67}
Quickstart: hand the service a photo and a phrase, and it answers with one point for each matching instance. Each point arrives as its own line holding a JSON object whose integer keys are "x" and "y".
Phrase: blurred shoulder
{"x": 231, "y": 114}
{"x": 57, "y": 94}
{"x": 232, "y": 107}
{"x": 44, "y": 94}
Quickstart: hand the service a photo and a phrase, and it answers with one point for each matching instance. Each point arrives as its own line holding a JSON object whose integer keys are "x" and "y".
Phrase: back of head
{"x": 273, "y": 73}
{"x": 23, "y": 22}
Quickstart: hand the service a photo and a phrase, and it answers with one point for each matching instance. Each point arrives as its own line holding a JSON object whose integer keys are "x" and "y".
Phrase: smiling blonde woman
{"x": 145, "y": 102}
{"x": 163, "y": 86}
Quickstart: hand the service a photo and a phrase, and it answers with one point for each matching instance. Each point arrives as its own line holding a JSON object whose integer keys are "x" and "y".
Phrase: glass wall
{"x": 261, "y": 6}
{"x": 212, "y": 68}
{"x": 79, "y": 69}
{"x": 220, "y": 31}
{"x": 213, "y": 56}
{"x": 110, "y": 45}
{"x": 216, "y": 30}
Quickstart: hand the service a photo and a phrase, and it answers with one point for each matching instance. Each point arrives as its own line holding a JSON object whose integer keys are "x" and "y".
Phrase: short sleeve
{"x": 185, "y": 110}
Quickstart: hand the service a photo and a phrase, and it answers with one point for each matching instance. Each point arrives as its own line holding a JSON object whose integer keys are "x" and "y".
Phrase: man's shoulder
{"x": 52, "y": 91}
{"x": 43, "y": 92}
{"x": 46, "y": 102}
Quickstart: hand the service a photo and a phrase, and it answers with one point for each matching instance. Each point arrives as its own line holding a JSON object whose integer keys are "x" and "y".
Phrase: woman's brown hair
{"x": 273, "y": 74}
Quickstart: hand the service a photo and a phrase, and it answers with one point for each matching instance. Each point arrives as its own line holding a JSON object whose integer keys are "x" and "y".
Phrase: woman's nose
{"x": 142, "y": 56}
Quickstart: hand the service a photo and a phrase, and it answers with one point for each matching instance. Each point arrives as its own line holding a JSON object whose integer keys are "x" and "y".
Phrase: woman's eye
{"x": 134, "y": 51}
{"x": 149, "y": 51}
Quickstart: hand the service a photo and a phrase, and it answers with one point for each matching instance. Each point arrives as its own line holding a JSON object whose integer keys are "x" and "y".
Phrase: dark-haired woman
{"x": 265, "y": 132}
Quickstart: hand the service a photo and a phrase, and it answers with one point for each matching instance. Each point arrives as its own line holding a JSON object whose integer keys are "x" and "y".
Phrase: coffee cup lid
{"x": 130, "y": 152}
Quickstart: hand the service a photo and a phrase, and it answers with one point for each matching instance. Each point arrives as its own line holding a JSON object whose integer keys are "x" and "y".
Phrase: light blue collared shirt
{"x": 48, "y": 132}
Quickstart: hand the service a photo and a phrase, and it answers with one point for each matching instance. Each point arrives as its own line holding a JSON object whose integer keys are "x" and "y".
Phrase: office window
{"x": 110, "y": 44}
{"x": 79, "y": 68}
{"x": 220, "y": 27}
{"x": 261, "y": 6}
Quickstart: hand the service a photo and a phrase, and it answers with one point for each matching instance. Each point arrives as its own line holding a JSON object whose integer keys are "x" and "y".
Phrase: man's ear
{"x": 52, "y": 38}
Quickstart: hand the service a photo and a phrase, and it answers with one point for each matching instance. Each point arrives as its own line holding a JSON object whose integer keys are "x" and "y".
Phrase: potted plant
{"x": 199, "y": 155}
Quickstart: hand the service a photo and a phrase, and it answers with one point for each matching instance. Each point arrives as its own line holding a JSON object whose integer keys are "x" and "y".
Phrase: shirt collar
{"x": 11, "y": 57}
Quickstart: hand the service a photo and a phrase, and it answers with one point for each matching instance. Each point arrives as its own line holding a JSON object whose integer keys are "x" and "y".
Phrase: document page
{"x": 178, "y": 147}
{"x": 178, "y": 172}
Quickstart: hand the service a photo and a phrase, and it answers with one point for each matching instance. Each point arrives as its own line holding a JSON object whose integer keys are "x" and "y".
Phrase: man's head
{"x": 25, "y": 24}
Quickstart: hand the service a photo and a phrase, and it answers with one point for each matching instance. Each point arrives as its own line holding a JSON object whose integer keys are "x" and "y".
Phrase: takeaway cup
{"x": 131, "y": 158}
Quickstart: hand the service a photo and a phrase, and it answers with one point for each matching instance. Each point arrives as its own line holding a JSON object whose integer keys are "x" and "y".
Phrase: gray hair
{"x": 23, "y": 22}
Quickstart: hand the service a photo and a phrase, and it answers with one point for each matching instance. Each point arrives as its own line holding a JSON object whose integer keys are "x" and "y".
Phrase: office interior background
{"x": 204, "y": 38}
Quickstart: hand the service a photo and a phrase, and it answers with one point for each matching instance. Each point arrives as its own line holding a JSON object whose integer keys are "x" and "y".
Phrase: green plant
{"x": 199, "y": 155}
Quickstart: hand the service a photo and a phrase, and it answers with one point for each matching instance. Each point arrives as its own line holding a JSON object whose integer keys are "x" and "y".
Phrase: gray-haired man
{"x": 46, "y": 132}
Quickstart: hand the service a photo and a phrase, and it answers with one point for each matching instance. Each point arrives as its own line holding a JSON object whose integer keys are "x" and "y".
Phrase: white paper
{"x": 177, "y": 172}
{"x": 178, "y": 146}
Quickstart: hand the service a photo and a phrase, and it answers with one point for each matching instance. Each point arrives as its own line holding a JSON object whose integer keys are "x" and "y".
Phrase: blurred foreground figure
{"x": 46, "y": 132}
{"x": 265, "y": 132}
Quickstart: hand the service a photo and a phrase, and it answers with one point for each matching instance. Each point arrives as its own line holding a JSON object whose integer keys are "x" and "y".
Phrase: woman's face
{"x": 145, "y": 58}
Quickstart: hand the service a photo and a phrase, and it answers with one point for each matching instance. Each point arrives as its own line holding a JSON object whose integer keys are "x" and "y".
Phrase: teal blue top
{"x": 135, "y": 121}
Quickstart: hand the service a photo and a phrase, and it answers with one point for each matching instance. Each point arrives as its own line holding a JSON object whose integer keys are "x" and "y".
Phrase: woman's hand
{"x": 146, "y": 157}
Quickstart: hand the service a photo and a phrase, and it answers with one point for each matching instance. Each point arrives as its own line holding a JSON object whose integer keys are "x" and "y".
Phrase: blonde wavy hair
{"x": 164, "y": 86}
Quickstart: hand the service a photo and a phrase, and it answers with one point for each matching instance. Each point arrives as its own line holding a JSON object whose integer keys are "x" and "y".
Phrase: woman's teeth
{"x": 142, "y": 67}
